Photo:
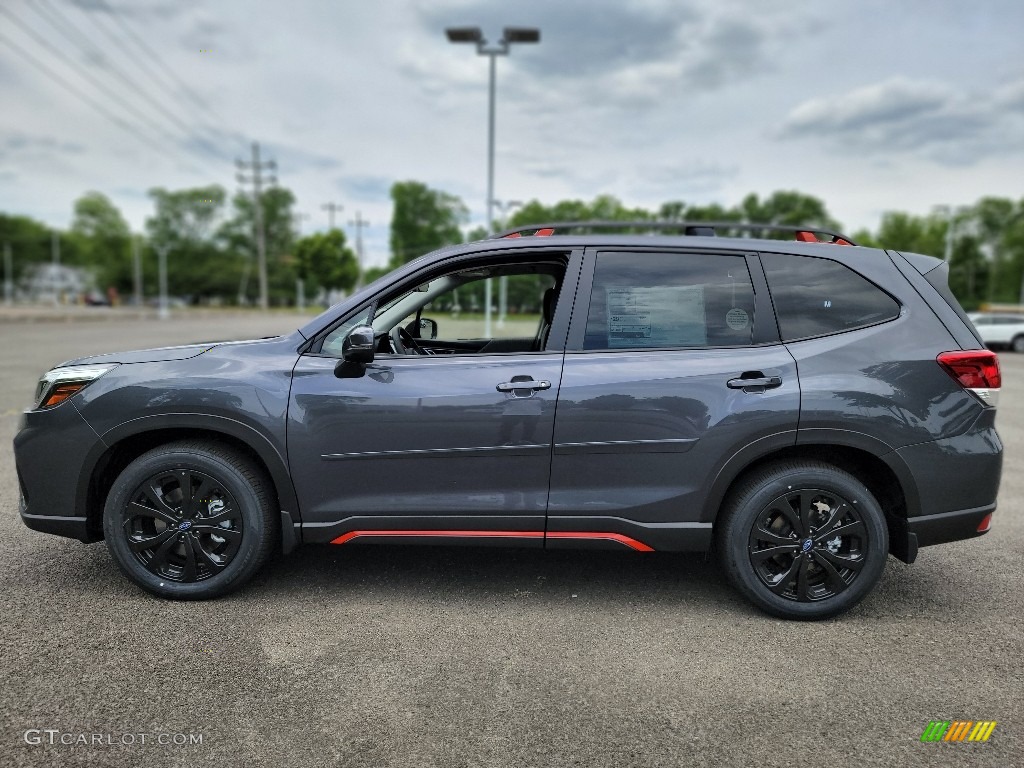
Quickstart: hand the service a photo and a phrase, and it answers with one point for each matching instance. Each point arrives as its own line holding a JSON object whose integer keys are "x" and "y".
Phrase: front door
{"x": 448, "y": 444}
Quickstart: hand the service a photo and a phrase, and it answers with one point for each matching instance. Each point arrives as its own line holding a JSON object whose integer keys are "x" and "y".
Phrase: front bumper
{"x": 50, "y": 452}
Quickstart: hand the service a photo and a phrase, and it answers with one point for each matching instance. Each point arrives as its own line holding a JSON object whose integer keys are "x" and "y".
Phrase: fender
{"x": 739, "y": 461}
{"x": 253, "y": 438}
{"x": 743, "y": 458}
{"x": 880, "y": 449}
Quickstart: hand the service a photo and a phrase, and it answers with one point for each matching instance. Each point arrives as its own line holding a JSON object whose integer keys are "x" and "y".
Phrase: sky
{"x": 870, "y": 105}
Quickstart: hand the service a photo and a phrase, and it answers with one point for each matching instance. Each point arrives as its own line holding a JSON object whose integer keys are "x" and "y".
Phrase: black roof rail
{"x": 807, "y": 233}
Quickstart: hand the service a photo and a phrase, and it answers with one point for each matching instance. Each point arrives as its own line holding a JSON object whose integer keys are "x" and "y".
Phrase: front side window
{"x": 669, "y": 300}
{"x": 818, "y": 297}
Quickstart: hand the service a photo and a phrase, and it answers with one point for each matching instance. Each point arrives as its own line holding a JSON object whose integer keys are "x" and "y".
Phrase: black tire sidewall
{"x": 242, "y": 565}
{"x": 1013, "y": 344}
{"x": 750, "y": 505}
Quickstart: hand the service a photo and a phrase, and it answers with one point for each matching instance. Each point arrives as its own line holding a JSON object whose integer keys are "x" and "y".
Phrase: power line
{"x": 150, "y": 55}
{"x": 85, "y": 43}
{"x": 84, "y": 74}
{"x": 77, "y": 92}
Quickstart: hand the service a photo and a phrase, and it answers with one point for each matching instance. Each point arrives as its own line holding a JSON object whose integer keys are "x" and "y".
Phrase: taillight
{"x": 976, "y": 370}
{"x": 985, "y": 524}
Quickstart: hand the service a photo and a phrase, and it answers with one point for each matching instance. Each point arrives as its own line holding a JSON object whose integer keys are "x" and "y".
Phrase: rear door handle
{"x": 756, "y": 384}
{"x": 511, "y": 386}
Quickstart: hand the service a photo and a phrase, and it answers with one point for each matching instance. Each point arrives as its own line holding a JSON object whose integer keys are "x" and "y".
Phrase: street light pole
{"x": 504, "y": 208}
{"x": 501, "y": 48}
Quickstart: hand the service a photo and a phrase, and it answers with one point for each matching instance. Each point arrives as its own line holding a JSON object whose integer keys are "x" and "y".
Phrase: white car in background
{"x": 1000, "y": 330}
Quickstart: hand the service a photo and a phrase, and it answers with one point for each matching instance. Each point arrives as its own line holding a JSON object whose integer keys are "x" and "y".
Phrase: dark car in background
{"x": 803, "y": 408}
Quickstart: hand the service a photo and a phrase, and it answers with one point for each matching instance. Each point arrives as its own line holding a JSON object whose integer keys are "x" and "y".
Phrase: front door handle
{"x": 511, "y": 386}
{"x": 755, "y": 384}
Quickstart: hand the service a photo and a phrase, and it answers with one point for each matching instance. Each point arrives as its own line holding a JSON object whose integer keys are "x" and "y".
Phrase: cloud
{"x": 365, "y": 187}
{"x": 22, "y": 144}
{"x": 639, "y": 53}
{"x": 945, "y": 124}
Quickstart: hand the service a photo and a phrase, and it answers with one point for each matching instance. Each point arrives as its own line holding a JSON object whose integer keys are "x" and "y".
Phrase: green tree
{"x": 103, "y": 239}
{"x": 29, "y": 240}
{"x": 323, "y": 260}
{"x": 424, "y": 219}
{"x": 187, "y": 223}
{"x": 238, "y": 235}
{"x": 917, "y": 234}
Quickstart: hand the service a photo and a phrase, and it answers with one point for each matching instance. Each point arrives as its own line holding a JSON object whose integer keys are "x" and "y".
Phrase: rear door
{"x": 673, "y": 365}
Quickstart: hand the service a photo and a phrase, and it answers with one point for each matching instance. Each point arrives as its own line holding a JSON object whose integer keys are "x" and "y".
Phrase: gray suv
{"x": 804, "y": 407}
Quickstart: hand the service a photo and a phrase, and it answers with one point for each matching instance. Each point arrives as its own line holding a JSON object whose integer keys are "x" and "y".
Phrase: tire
{"x": 1017, "y": 345}
{"x": 770, "y": 563}
{"x": 196, "y": 547}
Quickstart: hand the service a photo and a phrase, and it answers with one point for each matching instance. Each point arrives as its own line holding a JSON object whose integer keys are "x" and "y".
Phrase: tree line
{"x": 209, "y": 239}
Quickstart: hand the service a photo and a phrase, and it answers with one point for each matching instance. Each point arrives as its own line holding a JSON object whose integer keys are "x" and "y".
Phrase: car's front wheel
{"x": 1017, "y": 345}
{"x": 190, "y": 520}
{"x": 803, "y": 539}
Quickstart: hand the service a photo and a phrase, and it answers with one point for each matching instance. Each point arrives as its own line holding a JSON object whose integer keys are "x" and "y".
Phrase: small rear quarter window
{"x": 818, "y": 297}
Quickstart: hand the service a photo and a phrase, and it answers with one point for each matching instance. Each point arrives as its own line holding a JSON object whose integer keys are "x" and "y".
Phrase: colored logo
{"x": 806, "y": 546}
{"x": 184, "y": 525}
{"x": 958, "y": 730}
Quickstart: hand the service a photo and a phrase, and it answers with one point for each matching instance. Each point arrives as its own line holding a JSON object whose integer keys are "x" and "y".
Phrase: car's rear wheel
{"x": 1018, "y": 343}
{"x": 190, "y": 520}
{"x": 803, "y": 539}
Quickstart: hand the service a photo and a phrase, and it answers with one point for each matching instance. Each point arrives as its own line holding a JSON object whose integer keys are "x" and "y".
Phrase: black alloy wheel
{"x": 802, "y": 539}
{"x": 808, "y": 545}
{"x": 183, "y": 525}
{"x": 191, "y": 520}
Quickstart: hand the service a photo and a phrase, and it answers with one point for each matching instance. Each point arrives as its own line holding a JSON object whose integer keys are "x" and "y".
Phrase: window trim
{"x": 765, "y": 333}
{"x": 902, "y": 307}
{"x": 573, "y": 262}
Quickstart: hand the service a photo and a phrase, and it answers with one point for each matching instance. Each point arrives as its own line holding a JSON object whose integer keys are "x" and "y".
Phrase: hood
{"x": 157, "y": 355}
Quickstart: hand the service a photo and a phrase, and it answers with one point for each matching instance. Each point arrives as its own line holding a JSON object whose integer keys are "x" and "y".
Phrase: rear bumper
{"x": 906, "y": 536}
{"x": 950, "y": 486}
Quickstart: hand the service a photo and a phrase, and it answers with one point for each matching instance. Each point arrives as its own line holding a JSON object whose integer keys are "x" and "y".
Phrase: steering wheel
{"x": 404, "y": 343}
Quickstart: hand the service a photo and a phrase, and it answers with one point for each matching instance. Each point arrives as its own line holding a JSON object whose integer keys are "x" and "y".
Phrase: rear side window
{"x": 666, "y": 300}
{"x": 818, "y": 297}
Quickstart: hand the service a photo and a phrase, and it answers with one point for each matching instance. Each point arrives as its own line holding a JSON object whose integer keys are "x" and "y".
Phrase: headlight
{"x": 58, "y": 384}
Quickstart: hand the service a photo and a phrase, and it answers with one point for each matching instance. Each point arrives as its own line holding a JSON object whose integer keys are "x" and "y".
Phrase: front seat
{"x": 548, "y": 308}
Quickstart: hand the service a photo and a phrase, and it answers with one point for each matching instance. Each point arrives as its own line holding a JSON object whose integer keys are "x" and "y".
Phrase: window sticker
{"x": 662, "y": 316}
{"x": 737, "y": 319}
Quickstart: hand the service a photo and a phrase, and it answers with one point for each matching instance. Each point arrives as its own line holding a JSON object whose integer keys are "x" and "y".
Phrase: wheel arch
{"x": 884, "y": 474}
{"x": 123, "y": 444}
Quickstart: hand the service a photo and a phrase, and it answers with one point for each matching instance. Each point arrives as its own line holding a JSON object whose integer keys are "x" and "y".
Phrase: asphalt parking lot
{"x": 484, "y": 657}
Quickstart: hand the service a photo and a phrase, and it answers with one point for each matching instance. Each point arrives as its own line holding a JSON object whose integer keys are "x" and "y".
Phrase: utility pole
{"x": 256, "y": 166}
{"x": 332, "y": 208}
{"x": 300, "y": 283}
{"x": 161, "y": 252}
{"x": 359, "y": 223}
{"x": 8, "y": 276}
{"x": 137, "y": 271}
{"x": 54, "y": 270}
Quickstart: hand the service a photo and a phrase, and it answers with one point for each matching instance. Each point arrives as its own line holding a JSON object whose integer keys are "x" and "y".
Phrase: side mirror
{"x": 358, "y": 345}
